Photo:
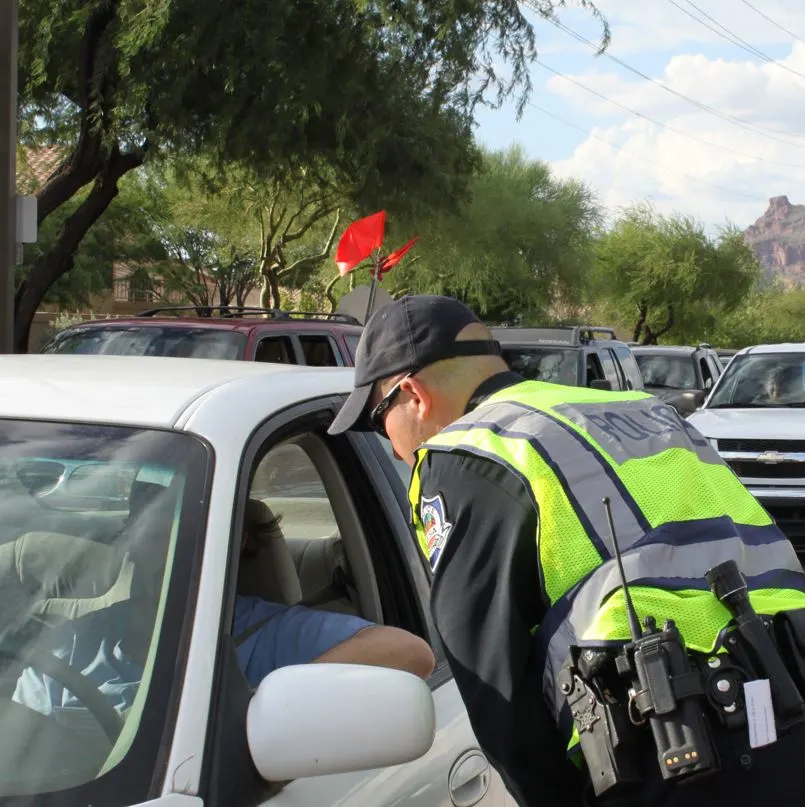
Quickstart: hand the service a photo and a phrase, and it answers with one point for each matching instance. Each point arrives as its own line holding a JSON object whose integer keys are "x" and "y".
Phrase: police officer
{"x": 508, "y": 480}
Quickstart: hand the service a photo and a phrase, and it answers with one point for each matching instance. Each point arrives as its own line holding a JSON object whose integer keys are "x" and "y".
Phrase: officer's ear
{"x": 419, "y": 396}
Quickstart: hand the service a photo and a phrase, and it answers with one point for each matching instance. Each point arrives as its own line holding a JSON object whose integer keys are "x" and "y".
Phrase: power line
{"x": 641, "y": 158}
{"x": 775, "y": 24}
{"x": 665, "y": 125}
{"x": 756, "y": 129}
{"x": 732, "y": 38}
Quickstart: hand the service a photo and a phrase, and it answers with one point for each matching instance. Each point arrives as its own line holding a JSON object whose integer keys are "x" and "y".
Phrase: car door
{"x": 332, "y": 491}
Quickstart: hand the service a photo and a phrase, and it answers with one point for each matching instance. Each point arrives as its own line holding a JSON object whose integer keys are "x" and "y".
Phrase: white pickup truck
{"x": 755, "y": 419}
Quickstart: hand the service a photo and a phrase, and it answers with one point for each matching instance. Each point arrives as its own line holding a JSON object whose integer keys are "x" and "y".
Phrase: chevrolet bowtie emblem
{"x": 771, "y": 457}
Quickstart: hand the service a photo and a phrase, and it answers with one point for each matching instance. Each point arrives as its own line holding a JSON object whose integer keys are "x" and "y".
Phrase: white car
{"x": 755, "y": 418}
{"x": 124, "y": 482}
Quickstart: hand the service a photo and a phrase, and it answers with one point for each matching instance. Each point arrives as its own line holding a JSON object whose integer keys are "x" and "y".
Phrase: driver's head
{"x": 418, "y": 362}
{"x": 783, "y": 382}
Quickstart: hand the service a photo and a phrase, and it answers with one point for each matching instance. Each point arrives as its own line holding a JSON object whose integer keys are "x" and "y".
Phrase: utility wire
{"x": 732, "y": 38}
{"x": 644, "y": 159}
{"x": 756, "y": 129}
{"x": 665, "y": 125}
{"x": 775, "y": 24}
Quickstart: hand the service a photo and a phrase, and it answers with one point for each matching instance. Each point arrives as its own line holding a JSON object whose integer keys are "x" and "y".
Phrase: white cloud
{"x": 679, "y": 172}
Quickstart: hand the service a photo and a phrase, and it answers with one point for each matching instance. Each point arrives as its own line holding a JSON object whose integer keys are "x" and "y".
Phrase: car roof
{"x": 151, "y": 391}
{"x": 669, "y": 350}
{"x": 783, "y": 347}
{"x": 241, "y": 324}
{"x": 535, "y": 337}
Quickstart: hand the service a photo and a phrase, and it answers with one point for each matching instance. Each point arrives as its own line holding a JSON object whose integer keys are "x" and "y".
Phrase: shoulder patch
{"x": 434, "y": 520}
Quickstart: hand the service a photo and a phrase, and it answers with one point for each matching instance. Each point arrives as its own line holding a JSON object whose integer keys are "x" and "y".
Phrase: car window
{"x": 716, "y": 368}
{"x": 150, "y": 340}
{"x": 318, "y": 350}
{"x": 287, "y": 481}
{"x": 707, "y": 375}
{"x": 611, "y": 373}
{"x": 275, "y": 349}
{"x": 630, "y": 367}
{"x": 352, "y": 341}
{"x": 762, "y": 380}
{"x": 594, "y": 370}
{"x": 552, "y": 364}
{"x": 671, "y": 372}
{"x": 90, "y": 520}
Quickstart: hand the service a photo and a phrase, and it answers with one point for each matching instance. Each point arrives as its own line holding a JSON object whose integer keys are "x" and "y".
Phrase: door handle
{"x": 469, "y": 779}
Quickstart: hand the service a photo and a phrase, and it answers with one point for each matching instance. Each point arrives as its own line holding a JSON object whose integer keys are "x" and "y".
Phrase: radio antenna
{"x": 634, "y": 622}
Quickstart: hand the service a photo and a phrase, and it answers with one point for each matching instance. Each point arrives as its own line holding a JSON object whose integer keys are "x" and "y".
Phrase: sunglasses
{"x": 376, "y": 420}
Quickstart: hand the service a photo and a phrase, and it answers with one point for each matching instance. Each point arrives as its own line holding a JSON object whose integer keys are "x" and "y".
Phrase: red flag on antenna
{"x": 395, "y": 257}
{"x": 359, "y": 240}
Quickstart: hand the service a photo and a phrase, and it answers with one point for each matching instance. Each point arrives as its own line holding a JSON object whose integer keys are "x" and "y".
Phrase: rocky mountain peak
{"x": 778, "y": 239}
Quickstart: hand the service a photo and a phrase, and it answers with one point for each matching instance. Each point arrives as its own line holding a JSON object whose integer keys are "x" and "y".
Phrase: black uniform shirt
{"x": 486, "y": 598}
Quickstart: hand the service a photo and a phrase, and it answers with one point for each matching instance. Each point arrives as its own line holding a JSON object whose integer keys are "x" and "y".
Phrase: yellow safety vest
{"x": 678, "y": 510}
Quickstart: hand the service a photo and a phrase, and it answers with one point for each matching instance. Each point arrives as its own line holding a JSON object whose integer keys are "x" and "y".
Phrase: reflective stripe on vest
{"x": 573, "y": 446}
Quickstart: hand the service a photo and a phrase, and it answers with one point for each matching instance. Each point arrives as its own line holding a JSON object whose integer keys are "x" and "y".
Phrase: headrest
{"x": 141, "y": 495}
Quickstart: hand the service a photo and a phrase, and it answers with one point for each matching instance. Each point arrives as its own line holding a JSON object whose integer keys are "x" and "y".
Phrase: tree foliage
{"x": 123, "y": 236}
{"x": 381, "y": 92}
{"x": 667, "y": 278}
{"x": 520, "y": 244}
{"x": 766, "y": 316}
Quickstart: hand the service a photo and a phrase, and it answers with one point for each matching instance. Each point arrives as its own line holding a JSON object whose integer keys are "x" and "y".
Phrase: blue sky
{"x": 719, "y": 164}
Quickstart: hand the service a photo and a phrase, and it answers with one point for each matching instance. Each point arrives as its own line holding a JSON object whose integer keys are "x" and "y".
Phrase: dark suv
{"x": 246, "y": 334}
{"x": 570, "y": 355}
{"x": 680, "y": 376}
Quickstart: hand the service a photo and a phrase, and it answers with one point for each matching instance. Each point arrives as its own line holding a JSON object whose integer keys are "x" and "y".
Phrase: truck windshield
{"x": 554, "y": 364}
{"x": 672, "y": 372}
{"x": 151, "y": 340}
{"x": 761, "y": 380}
{"x": 92, "y": 521}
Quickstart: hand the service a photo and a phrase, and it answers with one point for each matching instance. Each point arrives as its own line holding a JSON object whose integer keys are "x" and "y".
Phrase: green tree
{"x": 520, "y": 244}
{"x": 667, "y": 278}
{"x": 764, "y": 317}
{"x": 383, "y": 92}
{"x": 123, "y": 237}
{"x": 271, "y": 233}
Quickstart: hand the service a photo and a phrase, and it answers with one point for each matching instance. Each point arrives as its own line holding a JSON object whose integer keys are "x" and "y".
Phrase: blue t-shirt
{"x": 92, "y": 644}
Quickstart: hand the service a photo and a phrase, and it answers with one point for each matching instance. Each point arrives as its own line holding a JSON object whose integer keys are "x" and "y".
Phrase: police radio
{"x": 664, "y": 693}
{"x": 665, "y": 687}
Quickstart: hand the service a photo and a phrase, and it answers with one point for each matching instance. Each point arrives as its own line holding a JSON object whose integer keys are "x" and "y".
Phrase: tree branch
{"x": 85, "y": 161}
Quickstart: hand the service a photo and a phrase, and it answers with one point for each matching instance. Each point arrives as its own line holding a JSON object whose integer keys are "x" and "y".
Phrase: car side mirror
{"x": 601, "y": 383}
{"x": 318, "y": 719}
{"x": 694, "y": 398}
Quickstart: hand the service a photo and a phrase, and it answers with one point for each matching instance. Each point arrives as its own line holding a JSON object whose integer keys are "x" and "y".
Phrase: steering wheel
{"x": 107, "y": 717}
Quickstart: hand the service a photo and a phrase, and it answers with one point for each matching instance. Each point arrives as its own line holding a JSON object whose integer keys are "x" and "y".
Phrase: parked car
{"x": 680, "y": 376}
{"x": 125, "y": 481}
{"x": 250, "y": 334}
{"x": 570, "y": 355}
{"x": 755, "y": 418}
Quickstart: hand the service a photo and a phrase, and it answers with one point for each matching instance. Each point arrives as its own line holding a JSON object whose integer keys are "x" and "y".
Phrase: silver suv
{"x": 755, "y": 418}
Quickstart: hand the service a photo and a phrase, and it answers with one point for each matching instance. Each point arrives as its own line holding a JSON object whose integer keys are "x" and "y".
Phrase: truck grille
{"x": 783, "y": 446}
{"x": 790, "y": 518}
{"x": 752, "y": 469}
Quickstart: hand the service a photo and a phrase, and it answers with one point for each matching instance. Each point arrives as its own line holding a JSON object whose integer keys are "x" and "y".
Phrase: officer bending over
{"x": 678, "y": 695}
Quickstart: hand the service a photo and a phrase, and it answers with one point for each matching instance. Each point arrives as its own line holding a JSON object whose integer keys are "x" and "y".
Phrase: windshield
{"x": 92, "y": 520}
{"x": 761, "y": 380}
{"x": 553, "y": 364}
{"x": 674, "y": 372}
{"x": 151, "y": 340}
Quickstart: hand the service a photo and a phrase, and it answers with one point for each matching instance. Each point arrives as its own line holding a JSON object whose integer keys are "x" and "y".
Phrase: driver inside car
{"x": 267, "y": 636}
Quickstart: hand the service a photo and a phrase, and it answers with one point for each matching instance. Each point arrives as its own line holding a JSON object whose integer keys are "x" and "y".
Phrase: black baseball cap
{"x": 405, "y": 337}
